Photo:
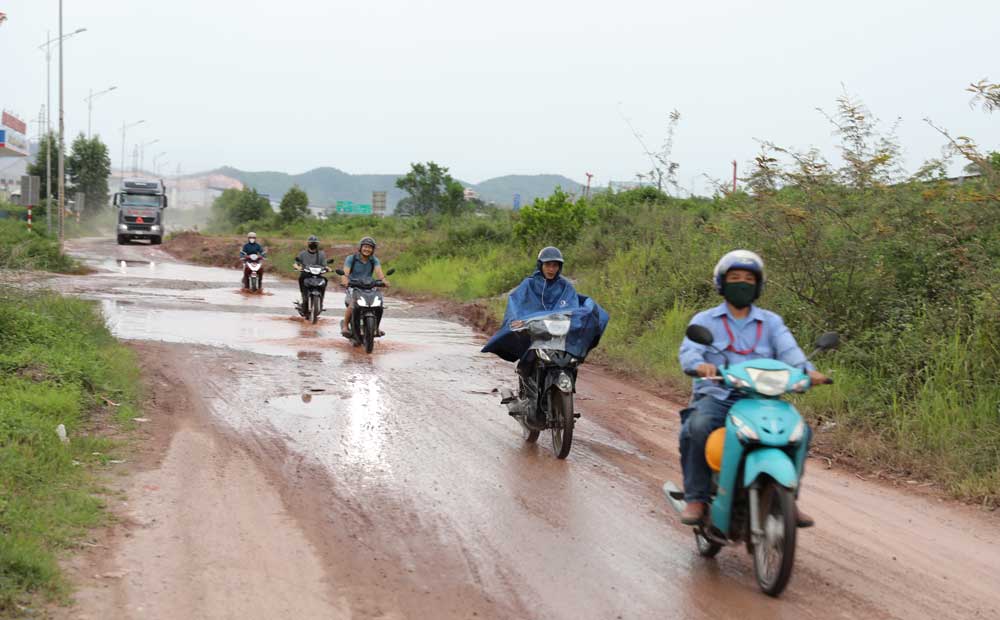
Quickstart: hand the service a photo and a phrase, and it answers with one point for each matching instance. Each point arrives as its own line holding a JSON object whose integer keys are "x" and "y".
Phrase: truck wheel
{"x": 122, "y": 240}
{"x": 155, "y": 240}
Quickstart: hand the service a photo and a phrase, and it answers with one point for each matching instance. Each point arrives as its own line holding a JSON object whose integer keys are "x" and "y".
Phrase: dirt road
{"x": 301, "y": 478}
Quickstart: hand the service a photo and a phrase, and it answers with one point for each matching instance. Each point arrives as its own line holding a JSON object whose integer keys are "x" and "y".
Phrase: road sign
{"x": 346, "y": 207}
{"x": 30, "y": 190}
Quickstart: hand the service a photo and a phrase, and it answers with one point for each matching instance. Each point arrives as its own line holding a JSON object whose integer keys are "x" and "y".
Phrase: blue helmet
{"x": 739, "y": 259}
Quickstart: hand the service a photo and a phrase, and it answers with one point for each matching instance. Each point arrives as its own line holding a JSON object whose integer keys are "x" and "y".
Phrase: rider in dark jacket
{"x": 312, "y": 256}
{"x": 252, "y": 247}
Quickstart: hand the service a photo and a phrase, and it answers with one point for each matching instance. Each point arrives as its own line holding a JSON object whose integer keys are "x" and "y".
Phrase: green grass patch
{"x": 21, "y": 248}
{"x": 58, "y": 363}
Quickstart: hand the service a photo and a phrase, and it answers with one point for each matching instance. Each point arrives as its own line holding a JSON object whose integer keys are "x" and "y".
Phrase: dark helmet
{"x": 367, "y": 241}
{"x": 548, "y": 255}
{"x": 313, "y": 242}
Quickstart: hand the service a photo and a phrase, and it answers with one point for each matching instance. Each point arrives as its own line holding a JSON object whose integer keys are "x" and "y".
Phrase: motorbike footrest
{"x": 507, "y": 396}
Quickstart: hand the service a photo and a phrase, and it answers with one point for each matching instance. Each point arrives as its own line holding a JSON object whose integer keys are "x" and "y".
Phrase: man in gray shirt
{"x": 310, "y": 257}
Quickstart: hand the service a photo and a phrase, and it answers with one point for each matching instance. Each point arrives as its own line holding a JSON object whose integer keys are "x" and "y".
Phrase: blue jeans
{"x": 698, "y": 421}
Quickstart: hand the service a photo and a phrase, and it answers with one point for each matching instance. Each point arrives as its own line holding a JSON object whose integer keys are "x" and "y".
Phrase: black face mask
{"x": 313, "y": 247}
{"x": 740, "y": 294}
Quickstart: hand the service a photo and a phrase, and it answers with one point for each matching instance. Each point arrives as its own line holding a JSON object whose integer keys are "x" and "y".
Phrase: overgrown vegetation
{"x": 21, "y": 248}
{"x": 58, "y": 365}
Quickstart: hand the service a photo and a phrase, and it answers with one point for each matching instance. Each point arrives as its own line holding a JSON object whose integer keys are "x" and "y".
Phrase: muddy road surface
{"x": 298, "y": 477}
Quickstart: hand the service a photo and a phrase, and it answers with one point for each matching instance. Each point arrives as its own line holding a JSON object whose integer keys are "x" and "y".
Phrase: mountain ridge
{"x": 327, "y": 184}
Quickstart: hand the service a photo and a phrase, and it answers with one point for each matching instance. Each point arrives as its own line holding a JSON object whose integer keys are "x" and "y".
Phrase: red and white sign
{"x": 13, "y": 122}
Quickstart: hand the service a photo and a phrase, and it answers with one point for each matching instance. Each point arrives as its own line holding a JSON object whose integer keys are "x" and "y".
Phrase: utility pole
{"x": 734, "y": 176}
{"x": 587, "y": 191}
{"x": 62, "y": 130}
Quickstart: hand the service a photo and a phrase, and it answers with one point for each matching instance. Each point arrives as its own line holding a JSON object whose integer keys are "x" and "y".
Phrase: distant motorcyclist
{"x": 362, "y": 264}
{"x": 312, "y": 256}
{"x": 744, "y": 332}
{"x": 251, "y": 247}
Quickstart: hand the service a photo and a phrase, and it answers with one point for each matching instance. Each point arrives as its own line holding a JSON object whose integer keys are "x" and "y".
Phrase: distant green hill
{"x": 327, "y": 185}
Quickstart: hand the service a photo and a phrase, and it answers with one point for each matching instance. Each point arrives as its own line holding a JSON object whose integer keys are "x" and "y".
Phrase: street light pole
{"x": 142, "y": 153}
{"x": 90, "y": 105}
{"x": 125, "y": 127}
{"x": 48, "y": 118}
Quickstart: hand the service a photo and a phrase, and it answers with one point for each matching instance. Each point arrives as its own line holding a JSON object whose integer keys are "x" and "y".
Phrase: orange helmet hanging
{"x": 713, "y": 448}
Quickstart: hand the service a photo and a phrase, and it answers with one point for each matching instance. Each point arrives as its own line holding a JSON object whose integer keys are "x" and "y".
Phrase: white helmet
{"x": 251, "y": 235}
{"x": 739, "y": 259}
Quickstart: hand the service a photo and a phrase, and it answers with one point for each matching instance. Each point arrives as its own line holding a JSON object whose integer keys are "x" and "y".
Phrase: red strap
{"x": 732, "y": 338}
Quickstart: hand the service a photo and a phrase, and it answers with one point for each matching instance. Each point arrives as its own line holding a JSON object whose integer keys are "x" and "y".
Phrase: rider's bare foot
{"x": 693, "y": 513}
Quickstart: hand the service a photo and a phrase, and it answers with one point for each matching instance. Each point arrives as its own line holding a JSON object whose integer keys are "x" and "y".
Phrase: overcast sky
{"x": 519, "y": 86}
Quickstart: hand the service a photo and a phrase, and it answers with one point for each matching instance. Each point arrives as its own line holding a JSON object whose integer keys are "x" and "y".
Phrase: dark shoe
{"x": 381, "y": 333}
{"x": 693, "y": 513}
{"x": 804, "y": 520}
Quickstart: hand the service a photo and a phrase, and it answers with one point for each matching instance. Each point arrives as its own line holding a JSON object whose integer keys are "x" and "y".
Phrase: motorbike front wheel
{"x": 774, "y": 553}
{"x": 314, "y": 310}
{"x": 253, "y": 284}
{"x": 369, "y": 335}
{"x": 561, "y": 406}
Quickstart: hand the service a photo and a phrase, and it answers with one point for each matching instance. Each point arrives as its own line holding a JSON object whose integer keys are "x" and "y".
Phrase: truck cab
{"x": 140, "y": 204}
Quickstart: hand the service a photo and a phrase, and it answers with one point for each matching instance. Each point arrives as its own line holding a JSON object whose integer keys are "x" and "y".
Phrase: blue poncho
{"x": 535, "y": 297}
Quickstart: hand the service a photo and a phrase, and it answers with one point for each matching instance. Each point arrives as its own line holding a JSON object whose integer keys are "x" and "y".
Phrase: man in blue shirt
{"x": 251, "y": 247}
{"x": 744, "y": 332}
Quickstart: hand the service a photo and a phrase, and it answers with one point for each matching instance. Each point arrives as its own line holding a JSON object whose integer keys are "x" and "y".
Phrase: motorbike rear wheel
{"x": 561, "y": 406}
{"x": 369, "y": 333}
{"x": 774, "y": 555}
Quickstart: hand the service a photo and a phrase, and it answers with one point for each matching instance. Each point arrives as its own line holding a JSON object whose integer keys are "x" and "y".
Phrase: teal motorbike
{"x": 757, "y": 460}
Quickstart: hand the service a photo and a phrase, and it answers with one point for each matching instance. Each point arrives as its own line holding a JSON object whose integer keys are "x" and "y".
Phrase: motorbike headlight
{"x": 800, "y": 430}
{"x": 544, "y": 355}
{"x": 556, "y": 327}
{"x": 769, "y": 382}
{"x": 361, "y": 301}
{"x": 743, "y": 430}
{"x": 377, "y": 301}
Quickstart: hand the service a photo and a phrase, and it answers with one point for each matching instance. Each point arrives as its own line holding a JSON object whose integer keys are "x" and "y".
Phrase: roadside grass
{"x": 21, "y": 248}
{"x": 58, "y": 364}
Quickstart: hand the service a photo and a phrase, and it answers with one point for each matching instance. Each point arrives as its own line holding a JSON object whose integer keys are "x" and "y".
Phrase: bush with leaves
{"x": 556, "y": 220}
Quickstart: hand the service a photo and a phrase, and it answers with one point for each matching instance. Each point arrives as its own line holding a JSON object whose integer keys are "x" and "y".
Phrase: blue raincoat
{"x": 535, "y": 297}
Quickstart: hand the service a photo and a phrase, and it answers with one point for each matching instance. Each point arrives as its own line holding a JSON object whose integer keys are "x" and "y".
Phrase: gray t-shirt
{"x": 311, "y": 259}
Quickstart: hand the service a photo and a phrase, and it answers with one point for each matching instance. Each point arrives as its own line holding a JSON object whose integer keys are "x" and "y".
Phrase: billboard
{"x": 13, "y": 142}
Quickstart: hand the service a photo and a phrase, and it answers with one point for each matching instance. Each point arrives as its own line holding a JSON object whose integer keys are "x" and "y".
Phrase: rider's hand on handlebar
{"x": 706, "y": 370}
{"x": 818, "y": 378}
{"x": 516, "y": 324}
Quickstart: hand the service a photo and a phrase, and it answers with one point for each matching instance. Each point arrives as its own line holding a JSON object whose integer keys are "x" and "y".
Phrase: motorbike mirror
{"x": 339, "y": 272}
{"x": 390, "y": 272}
{"x": 330, "y": 261}
{"x": 699, "y": 334}
{"x": 828, "y": 341}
